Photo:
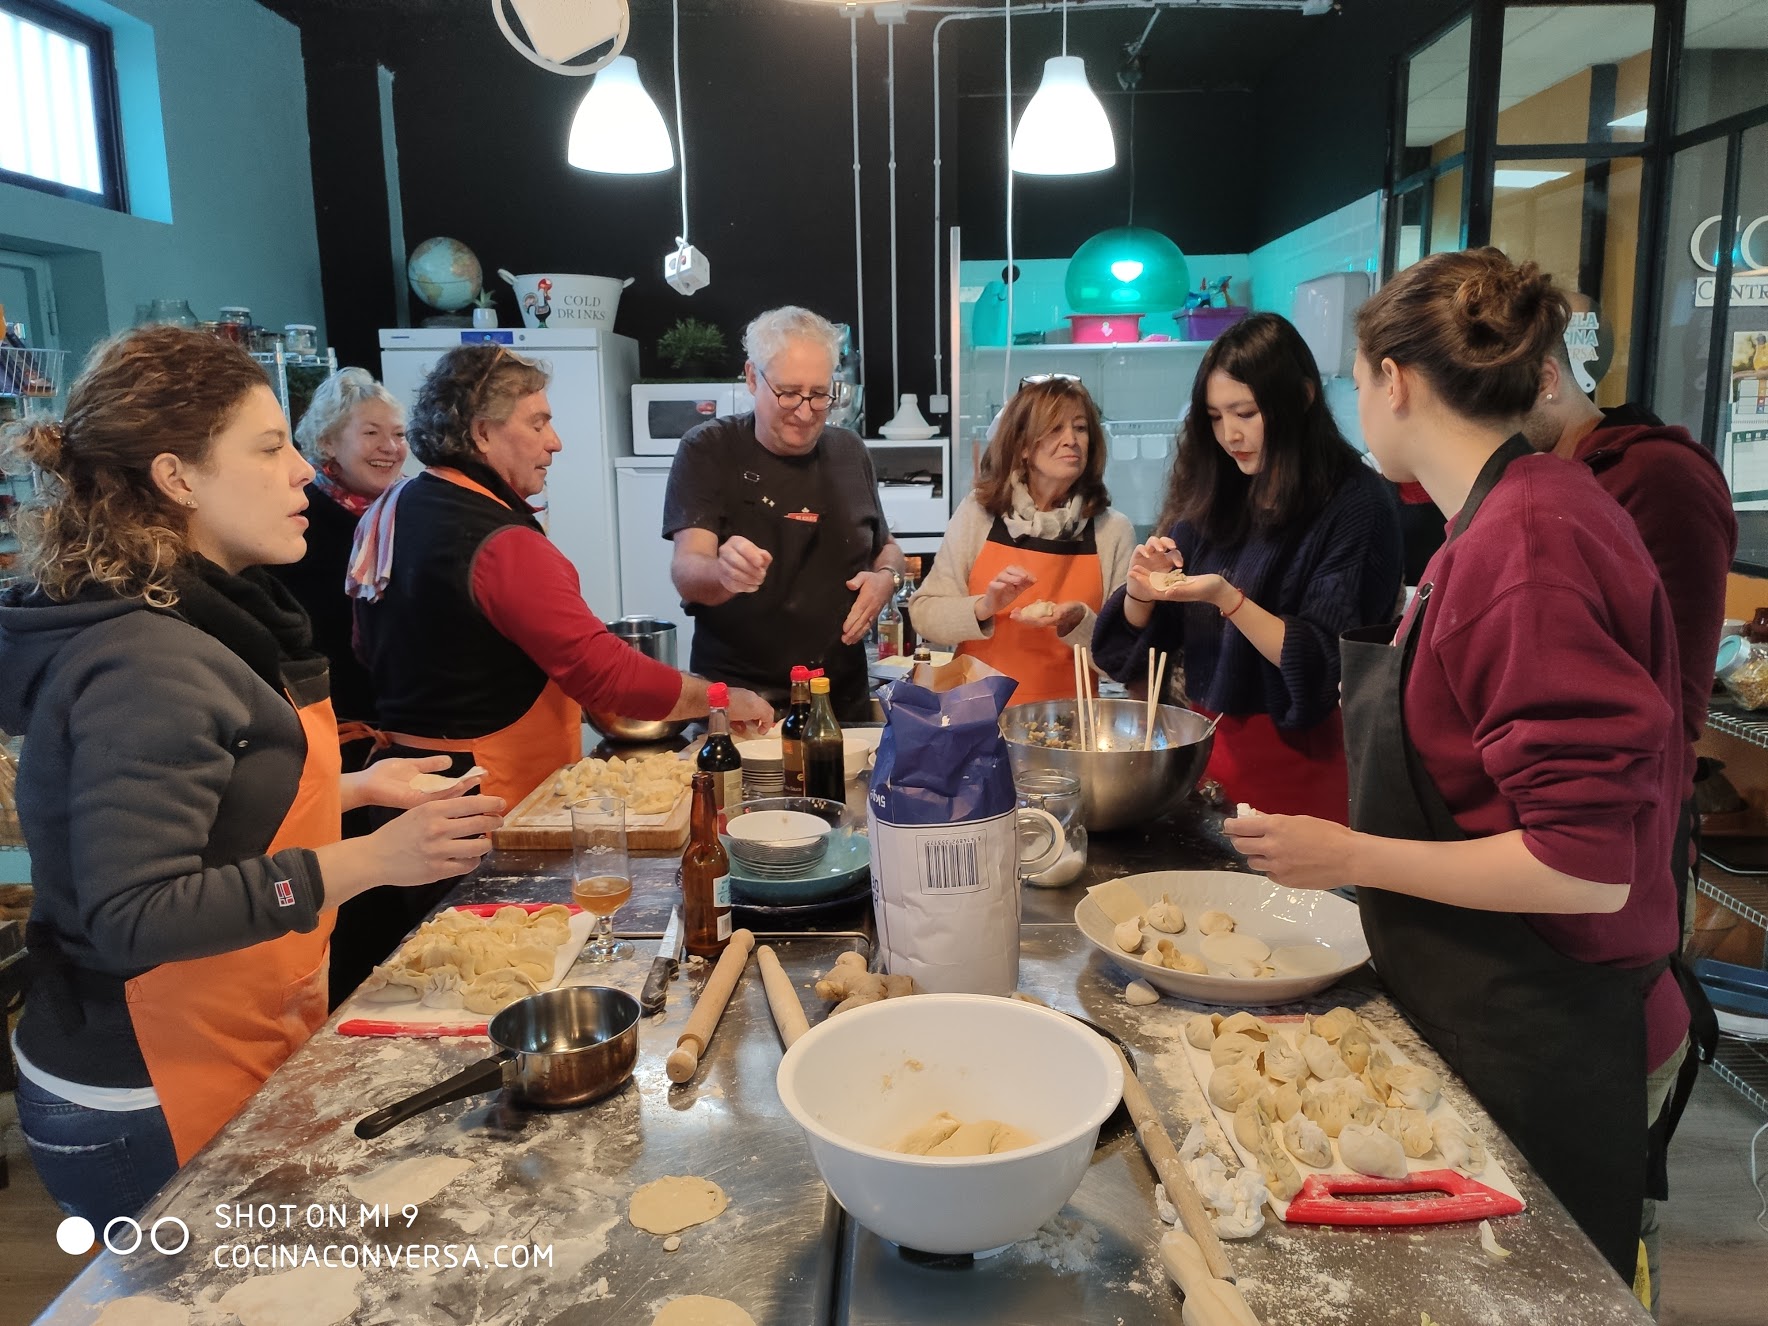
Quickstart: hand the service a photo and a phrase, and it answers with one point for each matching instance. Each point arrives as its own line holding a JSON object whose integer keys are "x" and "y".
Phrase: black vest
{"x": 440, "y": 669}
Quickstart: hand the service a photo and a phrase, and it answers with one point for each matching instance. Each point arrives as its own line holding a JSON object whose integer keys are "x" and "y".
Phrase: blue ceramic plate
{"x": 837, "y": 872}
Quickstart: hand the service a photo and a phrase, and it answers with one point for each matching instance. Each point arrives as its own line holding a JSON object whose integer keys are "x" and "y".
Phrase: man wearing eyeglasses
{"x": 782, "y": 554}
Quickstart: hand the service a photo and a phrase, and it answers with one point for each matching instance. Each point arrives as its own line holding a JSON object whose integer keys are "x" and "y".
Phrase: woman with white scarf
{"x": 1033, "y": 551}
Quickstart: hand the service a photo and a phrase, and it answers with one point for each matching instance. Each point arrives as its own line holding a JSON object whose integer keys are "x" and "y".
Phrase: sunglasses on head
{"x": 1036, "y": 379}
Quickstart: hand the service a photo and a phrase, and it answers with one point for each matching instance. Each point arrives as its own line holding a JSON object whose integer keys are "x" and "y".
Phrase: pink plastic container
{"x": 1103, "y": 328}
{"x": 1205, "y": 324}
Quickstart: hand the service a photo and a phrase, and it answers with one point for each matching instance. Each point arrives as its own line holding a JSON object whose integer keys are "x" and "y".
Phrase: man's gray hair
{"x": 328, "y": 413}
{"x": 767, "y": 336}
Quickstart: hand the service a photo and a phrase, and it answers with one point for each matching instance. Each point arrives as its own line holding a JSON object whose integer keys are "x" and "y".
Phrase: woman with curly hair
{"x": 472, "y": 623}
{"x": 353, "y": 434}
{"x": 179, "y": 788}
{"x": 1281, "y": 538}
{"x": 1032, "y": 552}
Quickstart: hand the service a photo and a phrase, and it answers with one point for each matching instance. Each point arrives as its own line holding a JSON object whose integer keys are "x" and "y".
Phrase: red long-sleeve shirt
{"x": 1544, "y": 696}
{"x": 530, "y": 592}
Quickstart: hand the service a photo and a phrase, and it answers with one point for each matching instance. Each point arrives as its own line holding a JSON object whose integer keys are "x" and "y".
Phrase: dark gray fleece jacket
{"x": 157, "y": 767}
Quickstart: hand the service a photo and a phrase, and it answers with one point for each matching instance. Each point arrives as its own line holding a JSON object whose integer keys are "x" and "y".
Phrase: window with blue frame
{"x": 58, "y": 104}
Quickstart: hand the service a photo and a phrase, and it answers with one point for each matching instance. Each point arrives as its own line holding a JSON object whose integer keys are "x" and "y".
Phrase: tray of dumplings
{"x": 654, "y": 787}
{"x": 1343, "y": 1128}
{"x": 465, "y": 964}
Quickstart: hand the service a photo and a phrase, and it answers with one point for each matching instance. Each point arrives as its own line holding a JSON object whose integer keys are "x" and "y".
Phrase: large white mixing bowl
{"x": 858, "y": 1083}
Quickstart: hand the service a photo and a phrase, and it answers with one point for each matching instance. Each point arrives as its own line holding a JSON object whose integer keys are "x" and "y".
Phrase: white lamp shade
{"x": 1064, "y": 130}
{"x": 618, "y": 129}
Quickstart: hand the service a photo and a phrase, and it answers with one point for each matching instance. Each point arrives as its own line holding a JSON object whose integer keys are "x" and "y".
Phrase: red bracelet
{"x": 1236, "y": 608}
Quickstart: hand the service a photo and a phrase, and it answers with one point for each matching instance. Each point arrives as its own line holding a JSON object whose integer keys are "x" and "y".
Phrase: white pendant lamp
{"x": 1064, "y": 130}
{"x": 618, "y": 129}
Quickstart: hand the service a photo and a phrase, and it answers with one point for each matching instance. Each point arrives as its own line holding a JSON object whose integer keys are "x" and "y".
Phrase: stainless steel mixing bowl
{"x": 1125, "y": 784}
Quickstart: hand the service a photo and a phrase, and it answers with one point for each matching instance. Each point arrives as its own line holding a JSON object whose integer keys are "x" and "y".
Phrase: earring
{"x": 190, "y": 502}
{"x": 1551, "y": 398}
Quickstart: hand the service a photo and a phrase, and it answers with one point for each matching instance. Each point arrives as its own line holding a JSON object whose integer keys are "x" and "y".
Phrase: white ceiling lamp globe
{"x": 1064, "y": 130}
{"x": 618, "y": 129}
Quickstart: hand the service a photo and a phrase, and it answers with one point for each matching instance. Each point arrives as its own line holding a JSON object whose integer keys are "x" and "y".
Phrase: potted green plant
{"x": 484, "y": 308}
{"x": 693, "y": 349}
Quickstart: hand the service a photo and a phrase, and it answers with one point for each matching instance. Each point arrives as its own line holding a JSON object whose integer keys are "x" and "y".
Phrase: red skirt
{"x": 1282, "y": 771}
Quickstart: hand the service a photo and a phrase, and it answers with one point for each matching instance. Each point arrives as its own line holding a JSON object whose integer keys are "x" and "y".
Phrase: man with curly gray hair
{"x": 782, "y": 553}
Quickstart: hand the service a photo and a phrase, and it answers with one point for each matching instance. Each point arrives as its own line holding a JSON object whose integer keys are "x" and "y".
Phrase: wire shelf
{"x": 1744, "y": 894}
{"x": 1735, "y": 721}
{"x": 1743, "y": 1065}
{"x": 31, "y": 381}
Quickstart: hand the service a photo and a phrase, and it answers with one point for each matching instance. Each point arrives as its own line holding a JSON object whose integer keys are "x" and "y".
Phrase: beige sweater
{"x": 943, "y": 609}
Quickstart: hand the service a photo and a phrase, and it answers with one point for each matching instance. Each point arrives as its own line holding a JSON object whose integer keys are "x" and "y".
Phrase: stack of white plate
{"x": 777, "y": 843}
{"x": 764, "y": 768}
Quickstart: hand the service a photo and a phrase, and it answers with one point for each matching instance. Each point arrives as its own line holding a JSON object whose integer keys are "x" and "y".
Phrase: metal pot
{"x": 560, "y": 1047}
{"x": 1126, "y": 785}
{"x": 653, "y": 638}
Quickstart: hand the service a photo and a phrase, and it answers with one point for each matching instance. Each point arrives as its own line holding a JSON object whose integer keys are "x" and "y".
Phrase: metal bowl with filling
{"x": 1121, "y": 784}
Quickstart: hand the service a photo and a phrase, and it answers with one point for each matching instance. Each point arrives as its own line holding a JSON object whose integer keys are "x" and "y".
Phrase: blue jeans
{"x": 95, "y": 1163}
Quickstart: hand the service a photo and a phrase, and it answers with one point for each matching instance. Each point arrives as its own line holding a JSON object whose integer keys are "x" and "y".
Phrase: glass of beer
{"x": 601, "y": 871}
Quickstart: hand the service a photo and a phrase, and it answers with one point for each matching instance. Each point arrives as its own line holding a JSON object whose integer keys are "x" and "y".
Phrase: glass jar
{"x": 174, "y": 311}
{"x": 300, "y": 338}
{"x": 1743, "y": 668}
{"x": 235, "y": 325}
{"x": 1058, "y": 794}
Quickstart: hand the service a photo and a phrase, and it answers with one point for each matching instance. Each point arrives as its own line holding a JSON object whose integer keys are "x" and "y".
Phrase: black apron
{"x": 1553, "y": 1047}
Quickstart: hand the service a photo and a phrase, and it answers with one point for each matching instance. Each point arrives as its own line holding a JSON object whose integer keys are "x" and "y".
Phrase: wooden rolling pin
{"x": 684, "y": 1059}
{"x": 1208, "y": 1301}
{"x": 788, "y": 1012}
{"x": 1152, "y": 1134}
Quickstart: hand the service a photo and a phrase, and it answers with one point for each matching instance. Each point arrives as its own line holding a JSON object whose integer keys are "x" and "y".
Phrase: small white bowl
{"x": 857, "y": 1084}
{"x": 761, "y": 751}
{"x": 778, "y": 828}
{"x": 1280, "y": 917}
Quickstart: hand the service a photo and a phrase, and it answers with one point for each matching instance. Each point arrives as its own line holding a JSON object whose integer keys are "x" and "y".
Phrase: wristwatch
{"x": 897, "y": 579}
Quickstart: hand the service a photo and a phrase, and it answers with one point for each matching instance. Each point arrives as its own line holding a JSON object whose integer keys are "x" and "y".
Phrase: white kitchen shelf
{"x": 1746, "y": 895}
{"x": 1733, "y": 720}
{"x": 1744, "y": 1066}
{"x": 905, "y": 443}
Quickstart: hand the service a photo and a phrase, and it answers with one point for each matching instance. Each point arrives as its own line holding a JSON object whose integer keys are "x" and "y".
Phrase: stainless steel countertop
{"x": 784, "y": 1250}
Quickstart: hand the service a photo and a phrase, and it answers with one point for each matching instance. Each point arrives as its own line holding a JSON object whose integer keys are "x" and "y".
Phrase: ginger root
{"x": 849, "y": 982}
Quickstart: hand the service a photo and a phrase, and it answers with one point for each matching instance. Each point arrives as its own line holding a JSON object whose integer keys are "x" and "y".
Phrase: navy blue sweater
{"x": 1339, "y": 572}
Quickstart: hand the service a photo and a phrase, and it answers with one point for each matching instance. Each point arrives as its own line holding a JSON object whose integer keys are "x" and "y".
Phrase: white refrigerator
{"x": 591, "y": 398}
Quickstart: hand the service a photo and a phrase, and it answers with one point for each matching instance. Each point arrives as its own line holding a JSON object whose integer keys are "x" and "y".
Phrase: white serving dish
{"x": 1276, "y": 915}
{"x": 761, "y": 751}
{"x": 858, "y": 1083}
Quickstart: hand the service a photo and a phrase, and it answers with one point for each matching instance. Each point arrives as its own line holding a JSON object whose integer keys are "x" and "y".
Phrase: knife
{"x": 663, "y": 966}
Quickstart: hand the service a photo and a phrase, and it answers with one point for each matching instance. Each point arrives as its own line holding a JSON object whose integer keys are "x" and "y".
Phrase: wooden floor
{"x": 1715, "y": 1255}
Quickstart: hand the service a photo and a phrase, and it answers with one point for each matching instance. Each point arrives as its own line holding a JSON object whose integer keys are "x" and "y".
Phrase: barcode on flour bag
{"x": 945, "y": 843}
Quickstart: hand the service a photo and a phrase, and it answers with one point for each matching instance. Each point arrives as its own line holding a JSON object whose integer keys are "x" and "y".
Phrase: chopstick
{"x": 1156, "y": 680}
{"x": 1080, "y": 698}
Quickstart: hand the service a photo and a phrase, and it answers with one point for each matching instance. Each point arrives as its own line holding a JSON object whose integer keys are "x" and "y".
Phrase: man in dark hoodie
{"x": 179, "y": 788}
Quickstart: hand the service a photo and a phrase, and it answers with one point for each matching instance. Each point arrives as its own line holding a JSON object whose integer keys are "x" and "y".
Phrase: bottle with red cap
{"x": 792, "y": 732}
{"x": 718, "y": 756}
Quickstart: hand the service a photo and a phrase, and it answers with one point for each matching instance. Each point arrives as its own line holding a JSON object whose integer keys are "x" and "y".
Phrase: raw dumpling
{"x": 1353, "y": 1047}
{"x": 1235, "y": 1047}
{"x": 1286, "y": 1101}
{"x": 1201, "y": 1030}
{"x": 1330, "y": 1026}
{"x": 1307, "y": 1142}
{"x": 1414, "y": 1087}
{"x": 1337, "y": 1104}
{"x": 1165, "y": 915}
{"x": 1248, "y": 1024}
{"x": 1252, "y": 1128}
{"x": 1140, "y": 993}
{"x": 1461, "y": 1149}
{"x": 1368, "y": 1150}
{"x": 1128, "y": 935}
{"x": 1285, "y": 1063}
{"x": 495, "y": 991}
{"x": 1411, "y": 1130}
{"x": 1375, "y": 1074}
{"x": 1232, "y": 1085}
{"x": 1167, "y": 954}
{"x": 1322, "y": 1060}
{"x": 442, "y": 988}
{"x": 390, "y": 984}
{"x": 1216, "y": 923}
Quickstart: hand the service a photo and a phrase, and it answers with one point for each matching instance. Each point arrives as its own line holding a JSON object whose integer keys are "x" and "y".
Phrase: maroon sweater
{"x": 1678, "y": 497}
{"x": 1544, "y": 697}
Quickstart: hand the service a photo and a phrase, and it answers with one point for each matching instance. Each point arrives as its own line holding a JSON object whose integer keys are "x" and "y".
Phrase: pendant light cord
{"x": 1007, "y": 72}
{"x": 1132, "y": 220}
{"x": 681, "y": 138}
{"x": 1065, "y": 27}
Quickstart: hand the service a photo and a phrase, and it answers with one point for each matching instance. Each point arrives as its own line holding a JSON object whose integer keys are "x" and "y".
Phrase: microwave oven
{"x": 663, "y": 411}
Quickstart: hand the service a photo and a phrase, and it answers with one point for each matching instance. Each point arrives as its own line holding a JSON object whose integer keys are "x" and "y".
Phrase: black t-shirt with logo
{"x": 818, "y": 514}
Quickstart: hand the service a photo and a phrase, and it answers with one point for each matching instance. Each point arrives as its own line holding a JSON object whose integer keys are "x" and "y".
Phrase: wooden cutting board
{"x": 540, "y": 823}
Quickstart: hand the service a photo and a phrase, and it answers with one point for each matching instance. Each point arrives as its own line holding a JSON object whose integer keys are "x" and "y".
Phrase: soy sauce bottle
{"x": 825, "y": 774}
{"x": 792, "y": 732}
{"x": 718, "y": 755}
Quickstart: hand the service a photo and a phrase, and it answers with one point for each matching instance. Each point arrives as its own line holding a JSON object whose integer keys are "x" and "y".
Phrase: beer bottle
{"x": 718, "y": 755}
{"x": 705, "y": 877}
{"x": 792, "y": 732}
{"x": 824, "y": 772}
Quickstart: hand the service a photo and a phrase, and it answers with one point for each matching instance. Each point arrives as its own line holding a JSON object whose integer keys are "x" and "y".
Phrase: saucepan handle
{"x": 486, "y": 1075}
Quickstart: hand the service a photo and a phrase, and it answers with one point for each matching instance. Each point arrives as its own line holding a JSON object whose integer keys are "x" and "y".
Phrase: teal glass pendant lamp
{"x": 1128, "y": 269}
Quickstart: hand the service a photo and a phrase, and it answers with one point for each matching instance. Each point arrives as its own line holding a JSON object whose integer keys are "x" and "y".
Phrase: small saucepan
{"x": 557, "y": 1048}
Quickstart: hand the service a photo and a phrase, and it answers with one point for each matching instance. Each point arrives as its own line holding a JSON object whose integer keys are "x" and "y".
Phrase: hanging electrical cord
{"x": 1007, "y": 156}
{"x": 890, "y": 83}
{"x": 859, "y": 266}
{"x": 681, "y": 137}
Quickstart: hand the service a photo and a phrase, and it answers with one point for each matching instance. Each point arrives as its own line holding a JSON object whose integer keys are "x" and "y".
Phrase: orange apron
{"x": 1278, "y": 771}
{"x": 521, "y": 756}
{"x": 212, "y": 1029}
{"x": 1067, "y": 571}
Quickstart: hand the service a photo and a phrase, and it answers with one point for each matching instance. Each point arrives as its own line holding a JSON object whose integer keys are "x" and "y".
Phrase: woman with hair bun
{"x": 353, "y": 434}
{"x": 1284, "y": 538}
{"x": 179, "y": 788}
{"x": 1514, "y": 753}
